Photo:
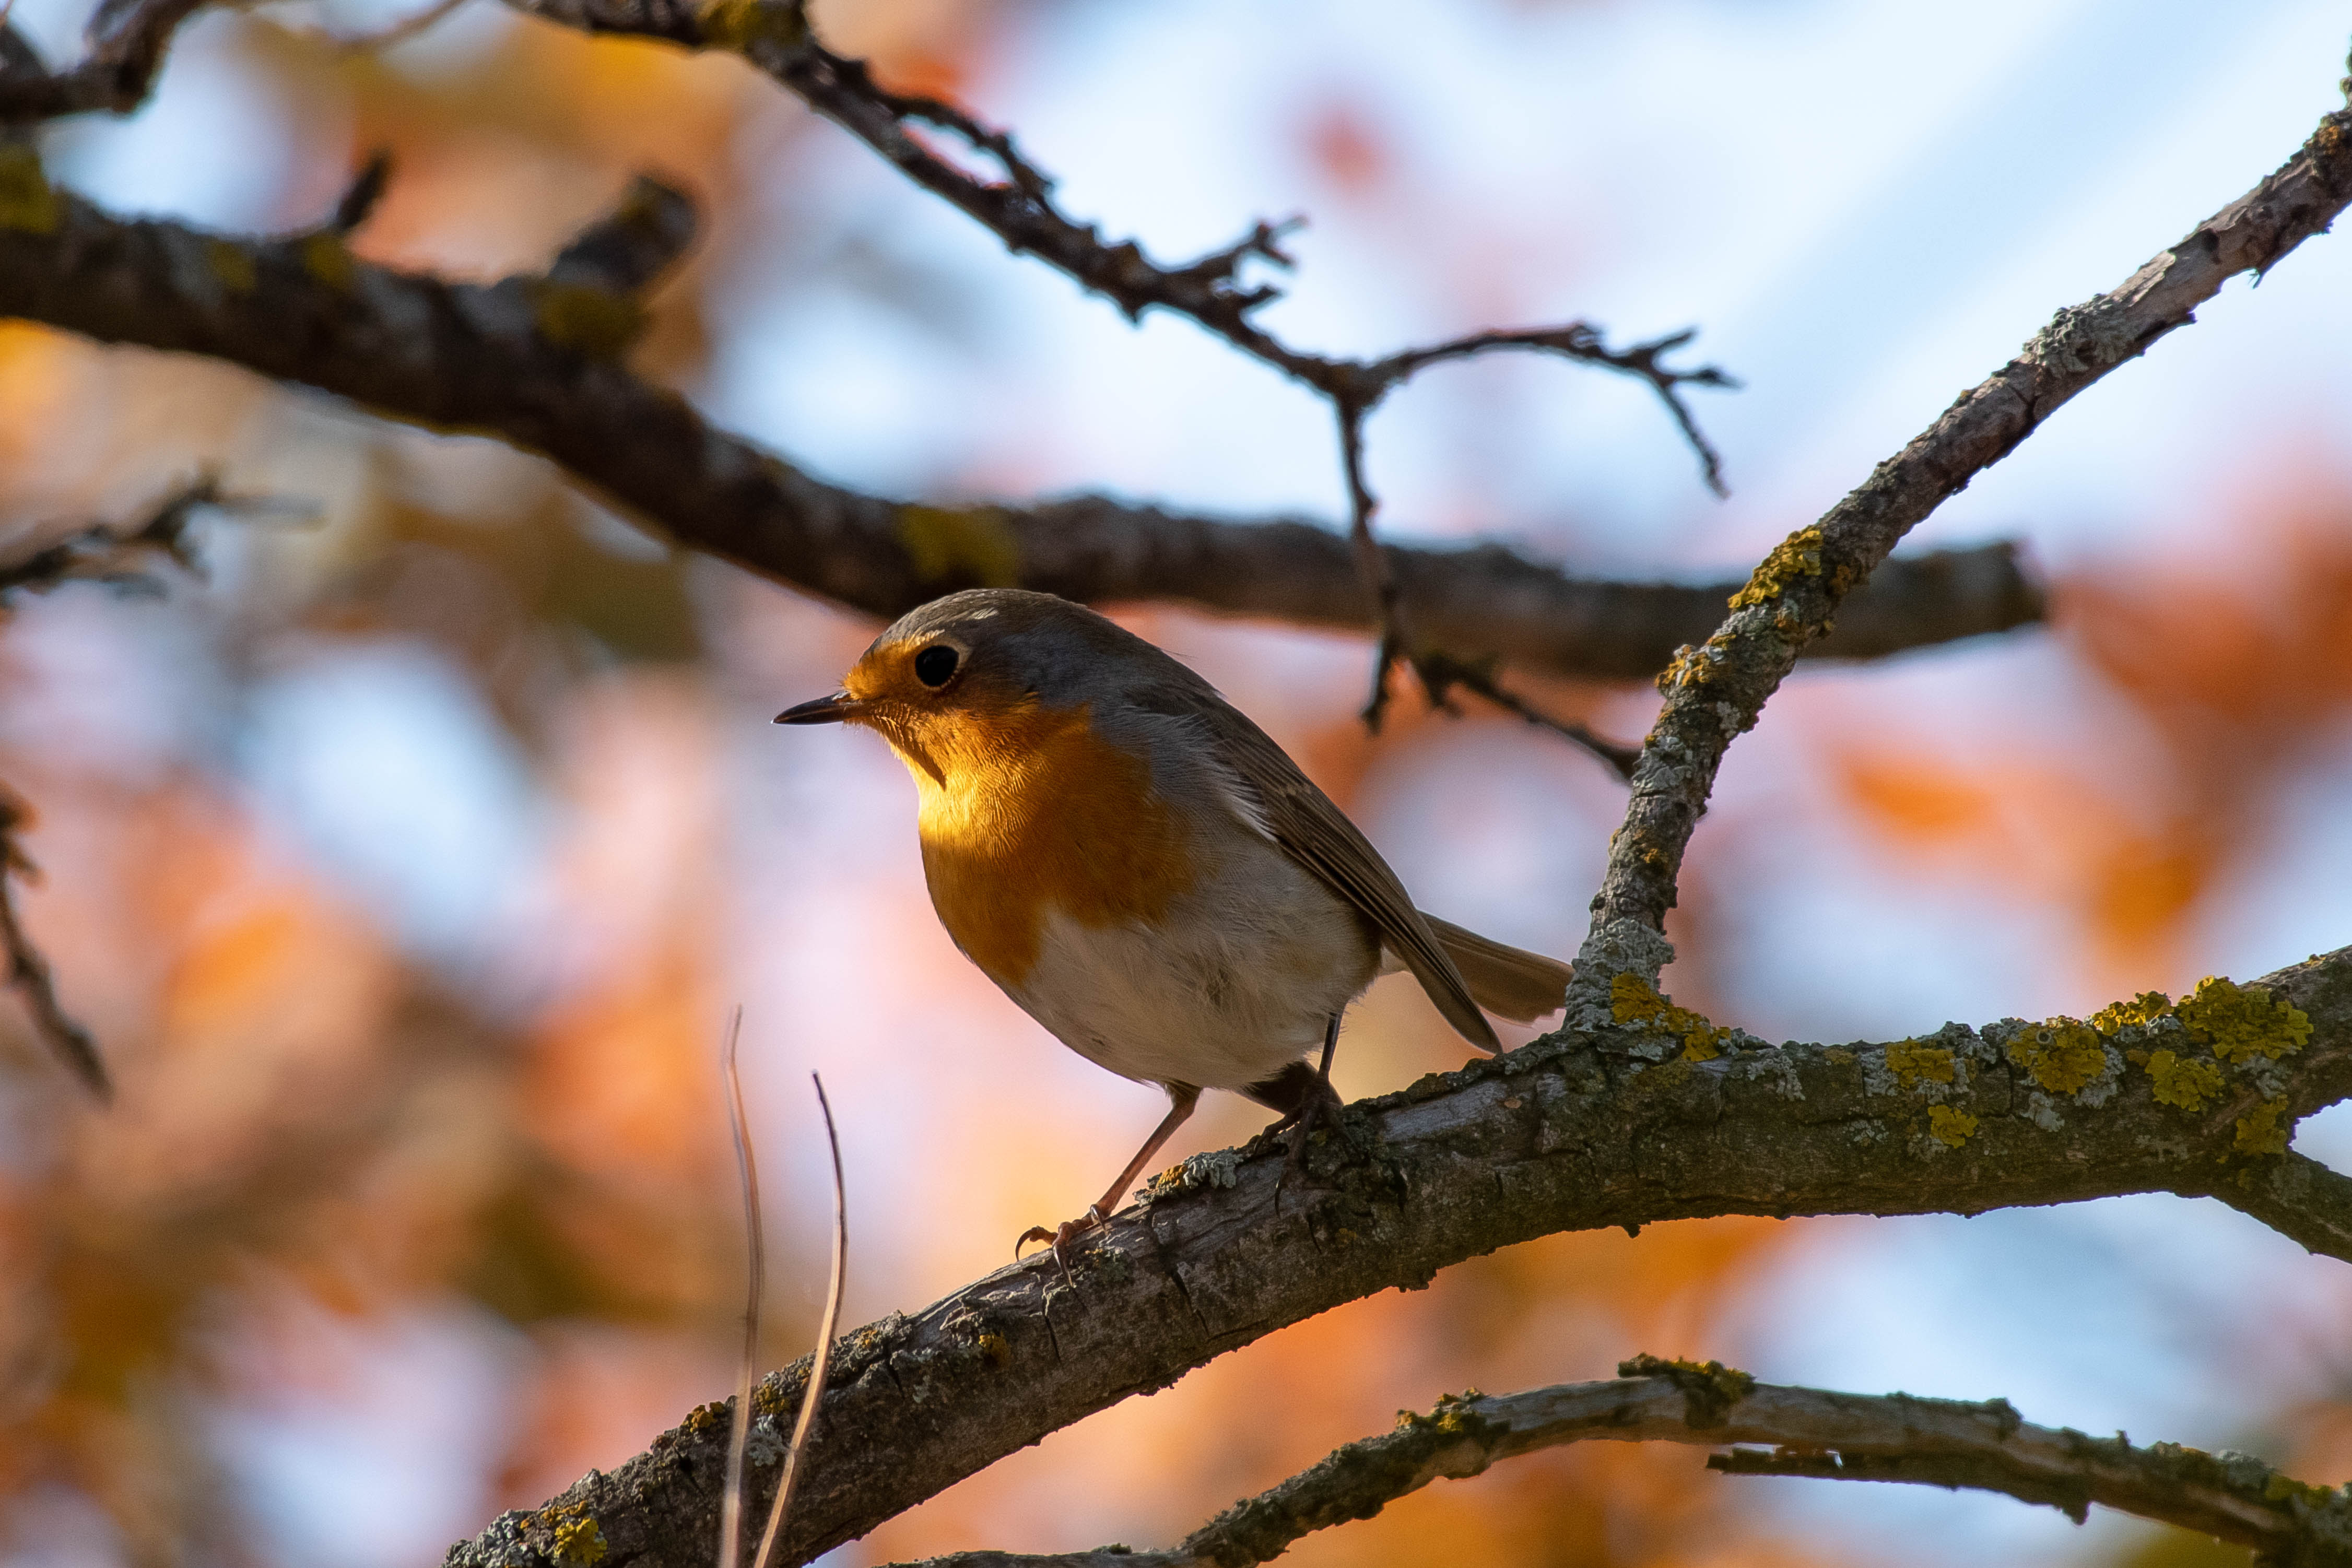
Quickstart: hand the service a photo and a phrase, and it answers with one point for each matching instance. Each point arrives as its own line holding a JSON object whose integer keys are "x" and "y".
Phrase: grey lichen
{"x": 2083, "y": 339}
{"x": 1216, "y": 1168}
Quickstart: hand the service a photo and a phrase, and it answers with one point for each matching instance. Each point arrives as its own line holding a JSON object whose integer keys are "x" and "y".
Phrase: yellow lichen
{"x": 326, "y": 259}
{"x": 1694, "y": 667}
{"x": 28, "y": 204}
{"x": 1634, "y": 1000}
{"x": 2242, "y": 1021}
{"x": 2145, "y": 1007}
{"x": 738, "y": 25}
{"x": 1798, "y": 555}
{"x": 232, "y": 265}
{"x": 1949, "y": 1127}
{"x": 2185, "y": 1083}
{"x": 970, "y": 544}
{"x": 2262, "y": 1130}
{"x": 2060, "y": 1054}
{"x": 1842, "y": 1058}
{"x": 997, "y": 1349}
{"x": 2280, "y": 1488}
{"x": 1910, "y": 1061}
{"x": 1452, "y": 1416}
{"x": 588, "y": 321}
{"x": 580, "y": 1541}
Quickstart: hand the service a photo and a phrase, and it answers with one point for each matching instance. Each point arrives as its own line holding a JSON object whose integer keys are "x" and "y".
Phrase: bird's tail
{"x": 1508, "y": 982}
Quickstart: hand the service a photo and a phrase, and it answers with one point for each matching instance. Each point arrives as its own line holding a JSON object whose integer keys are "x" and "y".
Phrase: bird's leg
{"x": 1305, "y": 1114}
{"x": 1181, "y": 1098}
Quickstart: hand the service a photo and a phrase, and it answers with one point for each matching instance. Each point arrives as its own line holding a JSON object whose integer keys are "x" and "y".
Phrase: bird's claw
{"x": 1059, "y": 1237}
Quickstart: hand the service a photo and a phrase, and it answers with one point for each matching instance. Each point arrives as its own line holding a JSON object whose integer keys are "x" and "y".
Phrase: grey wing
{"x": 1319, "y": 836}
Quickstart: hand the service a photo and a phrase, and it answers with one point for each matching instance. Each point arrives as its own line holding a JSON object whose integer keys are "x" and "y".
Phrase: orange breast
{"x": 1033, "y": 813}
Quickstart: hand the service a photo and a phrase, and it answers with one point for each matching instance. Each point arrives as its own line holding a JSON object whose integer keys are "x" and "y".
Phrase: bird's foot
{"x": 1301, "y": 1123}
{"x": 1059, "y": 1237}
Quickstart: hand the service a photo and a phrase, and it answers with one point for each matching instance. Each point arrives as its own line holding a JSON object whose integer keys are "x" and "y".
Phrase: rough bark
{"x": 1985, "y": 1447}
{"x": 1656, "y": 1115}
{"x": 533, "y": 360}
{"x": 1715, "y": 692}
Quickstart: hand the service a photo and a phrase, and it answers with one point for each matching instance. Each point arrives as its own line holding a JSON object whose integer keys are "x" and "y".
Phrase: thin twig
{"x": 813, "y": 1392}
{"x": 747, "y": 1170}
{"x": 126, "y": 41}
{"x": 1019, "y": 209}
{"x": 28, "y": 972}
{"x": 108, "y": 553}
{"x": 1441, "y": 672}
{"x": 399, "y": 32}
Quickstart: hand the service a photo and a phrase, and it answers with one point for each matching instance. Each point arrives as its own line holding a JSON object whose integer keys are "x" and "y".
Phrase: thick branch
{"x": 533, "y": 361}
{"x": 1019, "y": 209}
{"x": 1658, "y": 1116}
{"x": 1715, "y": 692}
{"x": 1811, "y": 1432}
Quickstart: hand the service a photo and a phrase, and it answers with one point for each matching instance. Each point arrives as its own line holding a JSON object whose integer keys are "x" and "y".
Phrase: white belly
{"x": 1238, "y": 982}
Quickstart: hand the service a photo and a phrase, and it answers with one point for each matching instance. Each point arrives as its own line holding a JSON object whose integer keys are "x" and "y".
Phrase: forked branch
{"x": 1019, "y": 208}
{"x": 1653, "y": 1114}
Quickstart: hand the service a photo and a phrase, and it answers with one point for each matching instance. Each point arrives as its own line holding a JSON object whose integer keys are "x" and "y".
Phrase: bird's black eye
{"x": 936, "y": 665}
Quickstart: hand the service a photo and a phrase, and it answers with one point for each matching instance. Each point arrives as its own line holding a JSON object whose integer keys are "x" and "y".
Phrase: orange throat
{"x": 1028, "y": 814}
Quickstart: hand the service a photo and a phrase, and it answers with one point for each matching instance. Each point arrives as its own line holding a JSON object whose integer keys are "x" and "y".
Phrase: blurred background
{"x": 407, "y": 863}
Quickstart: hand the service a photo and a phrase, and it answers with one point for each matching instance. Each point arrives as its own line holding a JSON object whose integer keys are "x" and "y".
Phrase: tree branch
{"x": 1715, "y": 691}
{"x": 107, "y": 553}
{"x": 1811, "y": 1432}
{"x": 534, "y": 361}
{"x": 28, "y": 972}
{"x": 1654, "y": 1114}
{"x": 1019, "y": 209}
{"x": 127, "y": 40}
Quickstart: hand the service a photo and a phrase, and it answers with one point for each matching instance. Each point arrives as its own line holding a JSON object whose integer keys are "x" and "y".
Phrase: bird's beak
{"x": 823, "y": 710}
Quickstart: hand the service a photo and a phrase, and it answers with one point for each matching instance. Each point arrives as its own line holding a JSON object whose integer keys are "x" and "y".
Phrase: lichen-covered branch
{"x": 126, "y": 41}
{"x": 536, "y": 361}
{"x": 1716, "y": 690}
{"x": 2301, "y": 1199}
{"x": 1984, "y": 1447}
{"x": 1653, "y": 1114}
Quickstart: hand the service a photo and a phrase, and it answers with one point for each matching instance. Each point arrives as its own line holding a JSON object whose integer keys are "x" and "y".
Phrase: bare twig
{"x": 1019, "y": 209}
{"x": 416, "y": 22}
{"x": 110, "y": 554}
{"x": 126, "y": 40}
{"x": 1714, "y": 692}
{"x": 1808, "y": 1432}
{"x": 813, "y": 1394}
{"x": 114, "y": 556}
{"x": 1440, "y": 672}
{"x": 747, "y": 1171}
{"x": 28, "y": 972}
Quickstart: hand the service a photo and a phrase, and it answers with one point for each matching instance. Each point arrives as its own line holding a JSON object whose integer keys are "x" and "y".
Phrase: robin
{"x": 1143, "y": 869}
